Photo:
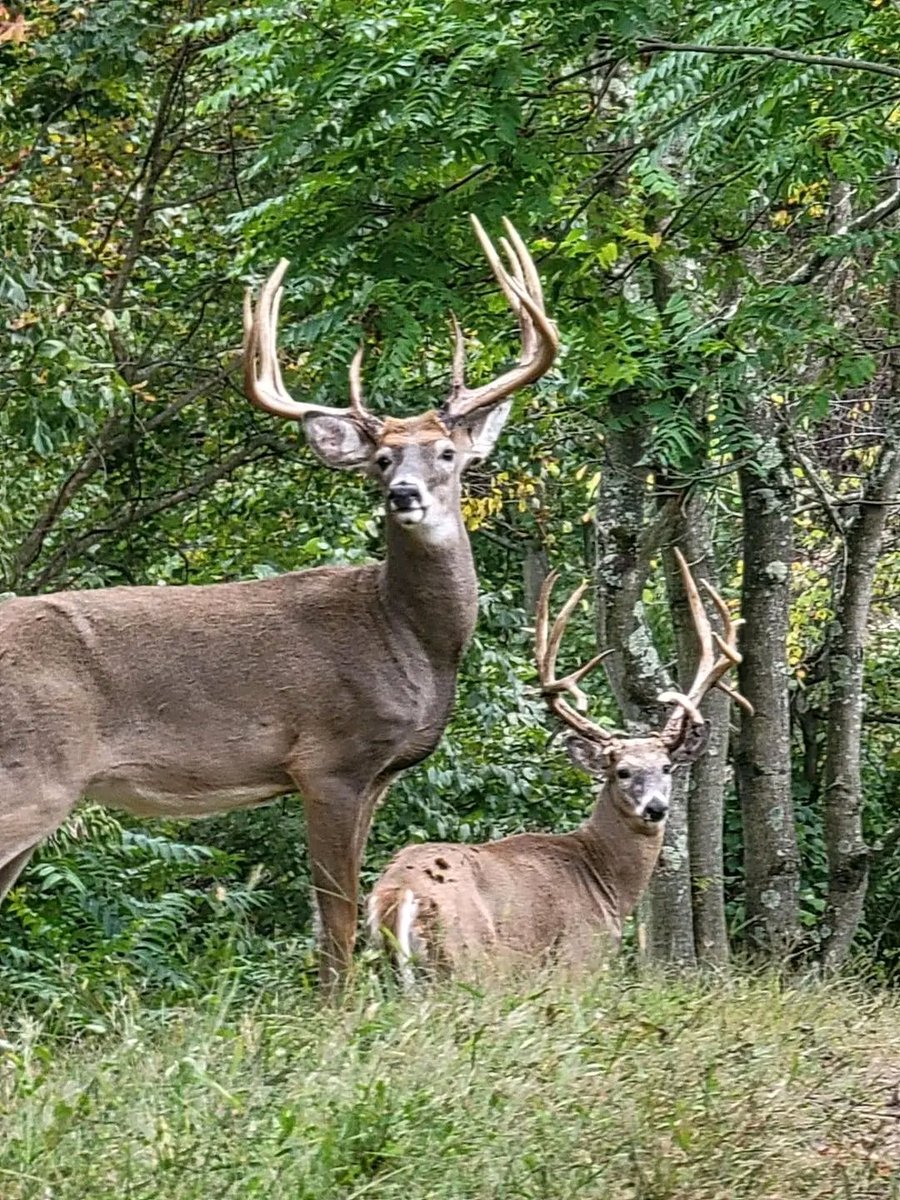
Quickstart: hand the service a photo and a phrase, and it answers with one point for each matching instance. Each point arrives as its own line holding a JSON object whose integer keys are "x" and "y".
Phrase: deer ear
{"x": 590, "y": 757}
{"x": 481, "y": 430}
{"x": 692, "y": 744}
{"x": 338, "y": 441}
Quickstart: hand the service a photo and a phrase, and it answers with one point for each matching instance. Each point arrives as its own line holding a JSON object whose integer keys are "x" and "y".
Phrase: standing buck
{"x": 193, "y": 700}
{"x": 538, "y": 895}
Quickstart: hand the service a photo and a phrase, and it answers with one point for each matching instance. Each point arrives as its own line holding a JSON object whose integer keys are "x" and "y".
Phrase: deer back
{"x": 521, "y": 898}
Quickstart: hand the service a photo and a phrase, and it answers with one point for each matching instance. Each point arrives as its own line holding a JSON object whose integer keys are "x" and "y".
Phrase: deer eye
{"x": 383, "y": 461}
{"x": 623, "y": 773}
{"x": 448, "y": 455}
{"x": 667, "y": 769}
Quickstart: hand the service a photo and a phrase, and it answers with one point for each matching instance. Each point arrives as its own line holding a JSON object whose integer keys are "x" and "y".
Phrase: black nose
{"x": 656, "y": 810}
{"x": 404, "y": 496}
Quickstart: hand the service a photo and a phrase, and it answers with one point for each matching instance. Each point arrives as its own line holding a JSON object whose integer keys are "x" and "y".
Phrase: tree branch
{"x": 866, "y": 220}
{"x": 657, "y": 46}
{"x": 264, "y": 442}
{"x": 112, "y": 441}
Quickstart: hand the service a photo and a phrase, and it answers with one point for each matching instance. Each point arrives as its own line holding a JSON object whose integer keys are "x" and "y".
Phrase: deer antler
{"x": 710, "y": 669}
{"x": 546, "y": 647}
{"x": 265, "y": 388}
{"x": 263, "y": 384}
{"x": 540, "y": 341}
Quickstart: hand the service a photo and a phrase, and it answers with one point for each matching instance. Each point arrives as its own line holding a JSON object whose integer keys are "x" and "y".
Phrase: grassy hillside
{"x": 618, "y": 1089}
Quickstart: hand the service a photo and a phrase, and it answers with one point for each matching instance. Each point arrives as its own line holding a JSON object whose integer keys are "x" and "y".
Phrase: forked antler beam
{"x": 547, "y": 641}
{"x": 263, "y": 384}
{"x": 710, "y": 668}
{"x": 520, "y": 284}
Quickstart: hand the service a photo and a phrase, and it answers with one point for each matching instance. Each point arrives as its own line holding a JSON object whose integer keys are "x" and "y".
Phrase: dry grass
{"x": 618, "y": 1089}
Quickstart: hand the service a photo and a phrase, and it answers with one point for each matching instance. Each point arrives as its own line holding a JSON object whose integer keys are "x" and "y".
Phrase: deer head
{"x": 636, "y": 772}
{"x": 416, "y": 461}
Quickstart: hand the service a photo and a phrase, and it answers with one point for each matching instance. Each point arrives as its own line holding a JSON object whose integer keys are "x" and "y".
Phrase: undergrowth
{"x": 617, "y": 1088}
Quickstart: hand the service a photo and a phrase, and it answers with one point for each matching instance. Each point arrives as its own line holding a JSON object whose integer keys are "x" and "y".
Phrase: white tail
{"x": 540, "y": 895}
{"x": 191, "y": 700}
{"x": 392, "y": 921}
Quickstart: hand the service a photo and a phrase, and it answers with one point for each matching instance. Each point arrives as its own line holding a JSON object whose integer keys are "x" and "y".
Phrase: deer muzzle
{"x": 407, "y": 502}
{"x": 655, "y": 810}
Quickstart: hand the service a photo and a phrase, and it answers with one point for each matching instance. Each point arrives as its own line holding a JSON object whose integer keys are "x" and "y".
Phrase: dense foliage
{"x": 710, "y": 228}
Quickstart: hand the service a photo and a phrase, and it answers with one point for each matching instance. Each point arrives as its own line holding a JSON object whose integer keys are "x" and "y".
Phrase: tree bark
{"x": 709, "y": 774}
{"x": 763, "y": 761}
{"x": 534, "y": 572}
{"x": 848, "y": 854}
{"x": 625, "y": 544}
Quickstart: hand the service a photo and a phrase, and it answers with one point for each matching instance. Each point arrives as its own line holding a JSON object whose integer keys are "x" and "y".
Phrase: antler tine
{"x": 547, "y": 642}
{"x": 685, "y": 703}
{"x": 458, "y": 378}
{"x": 710, "y": 668}
{"x": 727, "y": 644}
{"x": 523, "y": 256}
{"x": 500, "y": 273}
{"x": 263, "y": 383}
{"x": 700, "y": 619}
{"x": 736, "y": 696}
{"x": 539, "y": 338}
{"x": 542, "y": 621}
{"x": 559, "y": 626}
{"x": 372, "y": 424}
{"x": 526, "y": 324}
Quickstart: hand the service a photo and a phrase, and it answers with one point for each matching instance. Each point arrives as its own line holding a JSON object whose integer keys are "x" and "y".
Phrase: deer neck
{"x": 618, "y": 853}
{"x": 431, "y": 587}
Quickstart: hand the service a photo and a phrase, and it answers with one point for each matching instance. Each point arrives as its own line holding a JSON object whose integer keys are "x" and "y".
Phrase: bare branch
{"x": 873, "y": 216}
{"x": 839, "y": 62}
{"x": 255, "y": 448}
{"x": 113, "y": 440}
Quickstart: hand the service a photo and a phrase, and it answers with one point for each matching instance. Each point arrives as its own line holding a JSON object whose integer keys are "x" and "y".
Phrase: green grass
{"x": 616, "y": 1089}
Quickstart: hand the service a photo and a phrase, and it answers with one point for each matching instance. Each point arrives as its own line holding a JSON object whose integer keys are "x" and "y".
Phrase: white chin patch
{"x": 410, "y": 516}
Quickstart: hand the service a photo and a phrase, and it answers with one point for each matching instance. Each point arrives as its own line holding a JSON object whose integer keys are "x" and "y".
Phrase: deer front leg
{"x": 11, "y": 870}
{"x": 338, "y": 816}
{"x": 24, "y": 825}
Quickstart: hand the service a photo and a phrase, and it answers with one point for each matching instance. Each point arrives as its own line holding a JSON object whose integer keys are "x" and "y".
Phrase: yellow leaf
{"x": 12, "y": 30}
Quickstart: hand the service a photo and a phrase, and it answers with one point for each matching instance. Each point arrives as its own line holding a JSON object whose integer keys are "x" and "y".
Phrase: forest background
{"x": 712, "y": 195}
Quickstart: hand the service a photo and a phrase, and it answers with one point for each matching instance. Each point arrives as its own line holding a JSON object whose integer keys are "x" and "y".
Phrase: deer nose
{"x": 656, "y": 810}
{"x": 404, "y": 496}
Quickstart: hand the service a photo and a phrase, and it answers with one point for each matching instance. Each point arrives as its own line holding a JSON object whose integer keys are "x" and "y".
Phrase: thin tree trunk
{"x": 670, "y": 926}
{"x": 848, "y": 855}
{"x": 534, "y": 572}
{"x": 771, "y": 861}
{"x": 625, "y": 544}
{"x": 709, "y": 774}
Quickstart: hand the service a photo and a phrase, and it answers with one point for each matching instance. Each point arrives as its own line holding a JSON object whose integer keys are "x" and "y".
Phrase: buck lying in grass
{"x": 444, "y": 906}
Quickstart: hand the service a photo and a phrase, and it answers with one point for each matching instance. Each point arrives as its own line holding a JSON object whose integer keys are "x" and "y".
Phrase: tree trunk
{"x": 534, "y": 572}
{"x": 848, "y": 855}
{"x": 709, "y": 774}
{"x": 625, "y": 544}
{"x": 763, "y": 761}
